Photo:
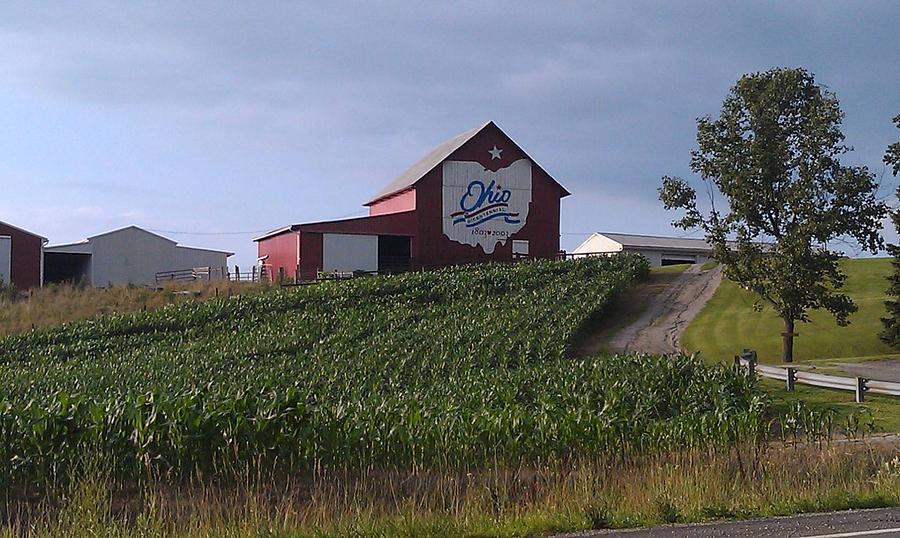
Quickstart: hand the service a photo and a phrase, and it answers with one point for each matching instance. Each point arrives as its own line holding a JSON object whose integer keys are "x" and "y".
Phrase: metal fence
{"x": 193, "y": 275}
{"x": 257, "y": 273}
{"x": 860, "y": 386}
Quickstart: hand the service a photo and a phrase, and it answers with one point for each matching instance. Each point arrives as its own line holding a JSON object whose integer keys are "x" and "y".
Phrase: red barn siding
{"x": 311, "y": 258}
{"x": 405, "y": 201}
{"x": 283, "y": 252}
{"x": 27, "y": 253}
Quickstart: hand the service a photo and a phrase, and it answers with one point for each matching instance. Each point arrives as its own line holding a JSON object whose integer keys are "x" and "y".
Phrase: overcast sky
{"x": 225, "y": 117}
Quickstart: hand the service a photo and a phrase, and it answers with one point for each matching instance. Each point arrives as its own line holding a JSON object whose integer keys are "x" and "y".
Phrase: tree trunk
{"x": 787, "y": 342}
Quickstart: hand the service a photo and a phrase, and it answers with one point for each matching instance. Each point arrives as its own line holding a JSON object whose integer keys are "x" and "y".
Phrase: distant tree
{"x": 892, "y": 155}
{"x": 773, "y": 154}
{"x": 891, "y": 332}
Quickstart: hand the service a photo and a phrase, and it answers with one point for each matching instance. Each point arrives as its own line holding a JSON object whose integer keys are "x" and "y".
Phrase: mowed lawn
{"x": 729, "y": 322}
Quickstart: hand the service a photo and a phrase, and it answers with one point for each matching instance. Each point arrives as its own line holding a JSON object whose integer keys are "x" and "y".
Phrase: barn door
{"x": 5, "y": 258}
{"x": 349, "y": 252}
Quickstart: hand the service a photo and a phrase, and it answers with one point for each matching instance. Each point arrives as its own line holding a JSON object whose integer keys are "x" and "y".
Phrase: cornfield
{"x": 441, "y": 369}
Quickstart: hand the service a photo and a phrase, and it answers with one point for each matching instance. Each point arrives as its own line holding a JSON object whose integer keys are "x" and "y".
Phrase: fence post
{"x": 237, "y": 273}
{"x": 750, "y": 356}
{"x": 253, "y": 274}
{"x": 281, "y": 275}
{"x": 791, "y": 379}
{"x": 751, "y": 368}
{"x": 860, "y": 389}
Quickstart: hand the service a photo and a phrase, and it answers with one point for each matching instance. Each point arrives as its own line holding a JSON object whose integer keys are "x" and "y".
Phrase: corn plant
{"x": 449, "y": 368}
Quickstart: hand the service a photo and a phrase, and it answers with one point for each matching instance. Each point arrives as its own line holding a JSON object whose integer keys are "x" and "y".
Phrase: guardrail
{"x": 791, "y": 376}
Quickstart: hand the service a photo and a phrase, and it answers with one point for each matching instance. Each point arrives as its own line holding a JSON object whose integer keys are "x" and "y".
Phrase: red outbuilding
{"x": 477, "y": 197}
{"x": 21, "y": 257}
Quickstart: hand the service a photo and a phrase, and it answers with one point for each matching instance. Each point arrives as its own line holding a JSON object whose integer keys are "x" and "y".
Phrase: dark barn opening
{"x": 394, "y": 253}
{"x": 68, "y": 267}
{"x": 677, "y": 261}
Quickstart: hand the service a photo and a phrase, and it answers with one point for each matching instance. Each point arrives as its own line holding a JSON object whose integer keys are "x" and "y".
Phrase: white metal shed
{"x": 128, "y": 255}
{"x": 659, "y": 250}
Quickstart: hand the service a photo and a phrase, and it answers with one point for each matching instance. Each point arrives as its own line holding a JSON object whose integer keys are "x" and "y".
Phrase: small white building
{"x": 658, "y": 250}
{"x": 128, "y": 255}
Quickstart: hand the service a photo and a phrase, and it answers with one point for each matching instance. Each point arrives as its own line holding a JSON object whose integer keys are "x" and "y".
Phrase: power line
{"x": 175, "y": 232}
{"x": 245, "y": 232}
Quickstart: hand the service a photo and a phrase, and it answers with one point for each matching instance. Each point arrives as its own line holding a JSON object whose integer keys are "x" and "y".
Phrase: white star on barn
{"x": 495, "y": 153}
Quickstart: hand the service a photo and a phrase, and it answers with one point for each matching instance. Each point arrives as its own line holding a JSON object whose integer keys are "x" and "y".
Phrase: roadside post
{"x": 860, "y": 389}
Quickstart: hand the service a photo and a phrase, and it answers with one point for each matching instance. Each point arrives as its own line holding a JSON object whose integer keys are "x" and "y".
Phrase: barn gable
{"x": 21, "y": 256}
{"x": 464, "y": 146}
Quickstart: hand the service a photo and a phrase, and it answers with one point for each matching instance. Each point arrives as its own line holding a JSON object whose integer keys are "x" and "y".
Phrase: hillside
{"x": 729, "y": 323}
{"x": 440, "y": 368}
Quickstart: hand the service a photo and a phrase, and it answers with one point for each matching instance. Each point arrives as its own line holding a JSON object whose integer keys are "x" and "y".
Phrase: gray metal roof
{"x": 415, "y": 172}
{"x": 658, "y": 241}
{"x": 84, "y": 244}
{"x": 134, "y": 228}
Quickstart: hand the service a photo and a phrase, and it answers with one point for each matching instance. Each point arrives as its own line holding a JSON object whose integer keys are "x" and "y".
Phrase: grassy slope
{"x": 729, "y": 322}
{"x": 56, "y": 304}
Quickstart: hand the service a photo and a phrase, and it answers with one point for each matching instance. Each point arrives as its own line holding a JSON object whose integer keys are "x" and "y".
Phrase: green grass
{"x": 729, "y": 323}
{"x": 883, "y": 412}
{"x": 664, "y": 269}
{"x": 681, "y": 487}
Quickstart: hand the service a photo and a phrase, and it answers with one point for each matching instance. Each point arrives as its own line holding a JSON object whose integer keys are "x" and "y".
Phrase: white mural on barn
{"x": 483, "y": 207}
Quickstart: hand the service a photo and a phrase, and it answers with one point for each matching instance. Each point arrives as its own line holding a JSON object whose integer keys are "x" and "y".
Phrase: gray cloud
{"x": 342, "y": 96}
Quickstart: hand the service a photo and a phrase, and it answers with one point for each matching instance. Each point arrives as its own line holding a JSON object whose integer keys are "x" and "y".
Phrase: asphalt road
{"x": 883, "y": 370}
{"x": 881, "y": 522}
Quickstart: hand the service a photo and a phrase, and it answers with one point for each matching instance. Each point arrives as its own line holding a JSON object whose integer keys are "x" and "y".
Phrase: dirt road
{"x": 668, "y": 313}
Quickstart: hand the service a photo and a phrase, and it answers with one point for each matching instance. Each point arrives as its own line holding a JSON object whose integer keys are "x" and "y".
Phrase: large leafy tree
{"x": 774, "y": 155}
{"x": 891, "y": 331}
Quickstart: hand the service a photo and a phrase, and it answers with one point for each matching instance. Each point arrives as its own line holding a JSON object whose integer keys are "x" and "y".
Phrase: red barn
{"x": 21, "y": 257}
{"x": 477, "y": 197}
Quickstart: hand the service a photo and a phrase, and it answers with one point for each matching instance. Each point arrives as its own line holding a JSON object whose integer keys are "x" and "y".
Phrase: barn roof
{"x": 304, "y": 225}
{"x": 657, "y": 241}
{"x": 435, "y": 157}
{"x": 86, "y": 242}
{"x": 24, "y": 231}
{"x": 189, "y": 247}
{"x": 134, "y": 228}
